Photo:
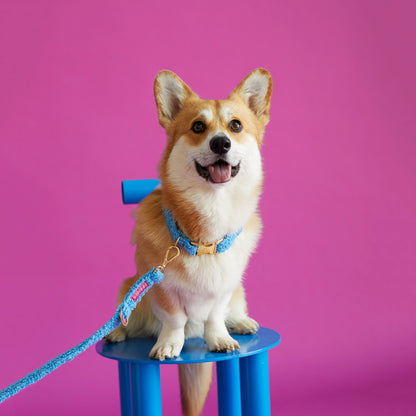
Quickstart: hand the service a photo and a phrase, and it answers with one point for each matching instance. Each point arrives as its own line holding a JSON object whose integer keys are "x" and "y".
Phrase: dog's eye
{"x": 235, "y": 126}
{"x": 198, "y": 127}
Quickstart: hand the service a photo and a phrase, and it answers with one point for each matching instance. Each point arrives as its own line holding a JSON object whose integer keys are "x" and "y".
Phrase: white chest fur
{"x": 206, "y": 280}
{"x": 225, "y": 208}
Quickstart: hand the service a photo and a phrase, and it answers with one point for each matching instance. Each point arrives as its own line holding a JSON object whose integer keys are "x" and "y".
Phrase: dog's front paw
{"x": 166, "y": 350}
{"x": 244, "y": 326}
{"x": 223, "y": 344}
{"x": 118, "y": 335}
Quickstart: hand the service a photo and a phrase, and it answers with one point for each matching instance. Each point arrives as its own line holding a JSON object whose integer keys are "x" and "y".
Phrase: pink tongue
{"x": 220, "y": 172}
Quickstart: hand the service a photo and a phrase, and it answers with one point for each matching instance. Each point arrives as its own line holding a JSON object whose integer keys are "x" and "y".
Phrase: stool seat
{"x": 194, "y": 350}
{"x": 140, "y": 375}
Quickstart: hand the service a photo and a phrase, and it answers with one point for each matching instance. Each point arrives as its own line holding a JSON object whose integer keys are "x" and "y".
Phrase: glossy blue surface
{"x": 255, "y": 390}
{"x": 146, "y": 396}
{"x": 242, "y": 376}
{"x": 194, "y": 351}
{"x": 135, "y": 190}
{"x": 124, "y": 375}
{"x": 228, "y": 387}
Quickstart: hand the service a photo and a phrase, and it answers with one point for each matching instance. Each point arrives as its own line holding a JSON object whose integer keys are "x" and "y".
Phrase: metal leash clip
{"x": 144, "y": 286}
{"x": 168, "y": 257}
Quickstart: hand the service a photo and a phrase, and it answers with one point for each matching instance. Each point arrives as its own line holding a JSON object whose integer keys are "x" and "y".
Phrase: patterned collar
{"x": 197, "y": 248}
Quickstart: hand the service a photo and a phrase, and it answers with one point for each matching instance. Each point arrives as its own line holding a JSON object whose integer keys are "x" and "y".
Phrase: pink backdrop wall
{"x": 335, "y": 270}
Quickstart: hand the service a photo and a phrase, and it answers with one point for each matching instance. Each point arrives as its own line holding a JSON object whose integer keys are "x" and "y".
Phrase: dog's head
{"x": 215, "y": 143}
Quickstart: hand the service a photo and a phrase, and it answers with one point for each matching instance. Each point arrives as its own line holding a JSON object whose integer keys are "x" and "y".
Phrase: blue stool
{"x": 242, "y": 376}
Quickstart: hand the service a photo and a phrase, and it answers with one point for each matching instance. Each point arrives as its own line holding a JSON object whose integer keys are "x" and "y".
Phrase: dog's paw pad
{"x": 244, "y": 327}
{"x": 165, "y": 351}
{"x": 224, "y": 345}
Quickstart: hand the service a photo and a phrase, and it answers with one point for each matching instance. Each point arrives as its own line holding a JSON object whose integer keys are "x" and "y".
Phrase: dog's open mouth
{"x": 219, "y": 172}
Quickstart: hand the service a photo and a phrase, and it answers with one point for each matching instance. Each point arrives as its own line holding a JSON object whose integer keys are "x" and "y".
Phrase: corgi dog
{"x": 211, "y": 179}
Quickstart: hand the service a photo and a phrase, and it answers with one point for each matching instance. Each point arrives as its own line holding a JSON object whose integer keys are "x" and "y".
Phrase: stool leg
{"x": 145, "y": 387}
{"x": 125, "y": 387}
{"x": 228, "y": 386}
{"x": 255, "y": 390}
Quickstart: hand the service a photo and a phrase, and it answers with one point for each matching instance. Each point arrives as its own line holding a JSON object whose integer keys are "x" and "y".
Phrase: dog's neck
{"x": 208, "y": 215}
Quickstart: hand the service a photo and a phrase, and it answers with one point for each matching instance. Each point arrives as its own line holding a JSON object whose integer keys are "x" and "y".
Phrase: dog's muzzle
{"x": 219, "y": 172}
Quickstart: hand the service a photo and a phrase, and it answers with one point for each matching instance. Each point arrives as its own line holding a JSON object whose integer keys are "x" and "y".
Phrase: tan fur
{"x": 207, "y": 287}
{"x": 195, "y": 380}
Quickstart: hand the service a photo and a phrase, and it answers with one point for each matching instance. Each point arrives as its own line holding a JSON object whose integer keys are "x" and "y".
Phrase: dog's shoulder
{"x": 150, "y": 223}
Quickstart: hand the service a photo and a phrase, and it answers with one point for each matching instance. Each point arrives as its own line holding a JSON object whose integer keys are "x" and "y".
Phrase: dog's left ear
{"x": 256, "y": 91}
{"x": 170, "y": 94}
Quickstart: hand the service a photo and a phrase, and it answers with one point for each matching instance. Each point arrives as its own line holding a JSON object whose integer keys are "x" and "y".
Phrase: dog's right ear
{"x": 170, "y": 94}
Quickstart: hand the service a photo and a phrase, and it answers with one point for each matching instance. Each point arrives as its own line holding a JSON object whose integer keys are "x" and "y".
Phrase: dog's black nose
{"x": 220, "y": 144}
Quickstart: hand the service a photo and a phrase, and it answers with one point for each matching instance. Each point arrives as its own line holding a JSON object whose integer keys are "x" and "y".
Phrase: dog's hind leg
{"x": 237, "y": 320}
{"x": 118, "y": 335}
{"x": 216, "y": 334}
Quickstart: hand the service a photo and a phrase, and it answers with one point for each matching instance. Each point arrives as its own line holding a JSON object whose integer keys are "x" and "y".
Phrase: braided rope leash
{"x": 121, "y": 316}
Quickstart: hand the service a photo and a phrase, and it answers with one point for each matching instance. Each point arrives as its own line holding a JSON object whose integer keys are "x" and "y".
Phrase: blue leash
{"x": 129, "y": 303}
{"x": 121, "y": 316}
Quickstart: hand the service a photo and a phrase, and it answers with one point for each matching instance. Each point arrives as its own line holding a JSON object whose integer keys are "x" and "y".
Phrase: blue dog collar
{"x": 196, "y": 248}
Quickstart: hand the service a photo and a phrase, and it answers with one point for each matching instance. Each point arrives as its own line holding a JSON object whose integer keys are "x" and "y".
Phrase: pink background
{"x": 335, "y": 270}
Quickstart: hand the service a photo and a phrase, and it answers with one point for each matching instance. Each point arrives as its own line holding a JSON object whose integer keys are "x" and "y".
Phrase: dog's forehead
{"x": 228, "y": 110}
{"x": 225, "y": 112}
{"x": 221, "y": 109}
{"x": 206, "y": 114}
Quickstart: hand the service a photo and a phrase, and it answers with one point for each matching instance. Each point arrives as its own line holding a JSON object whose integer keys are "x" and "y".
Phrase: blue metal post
{"x": 255, "y": 390}
{"x": 145, "y": 385}
{"x": 125, "y": 387}
{"x": 228, "y": 386}
{"x": 135, "y": 190}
